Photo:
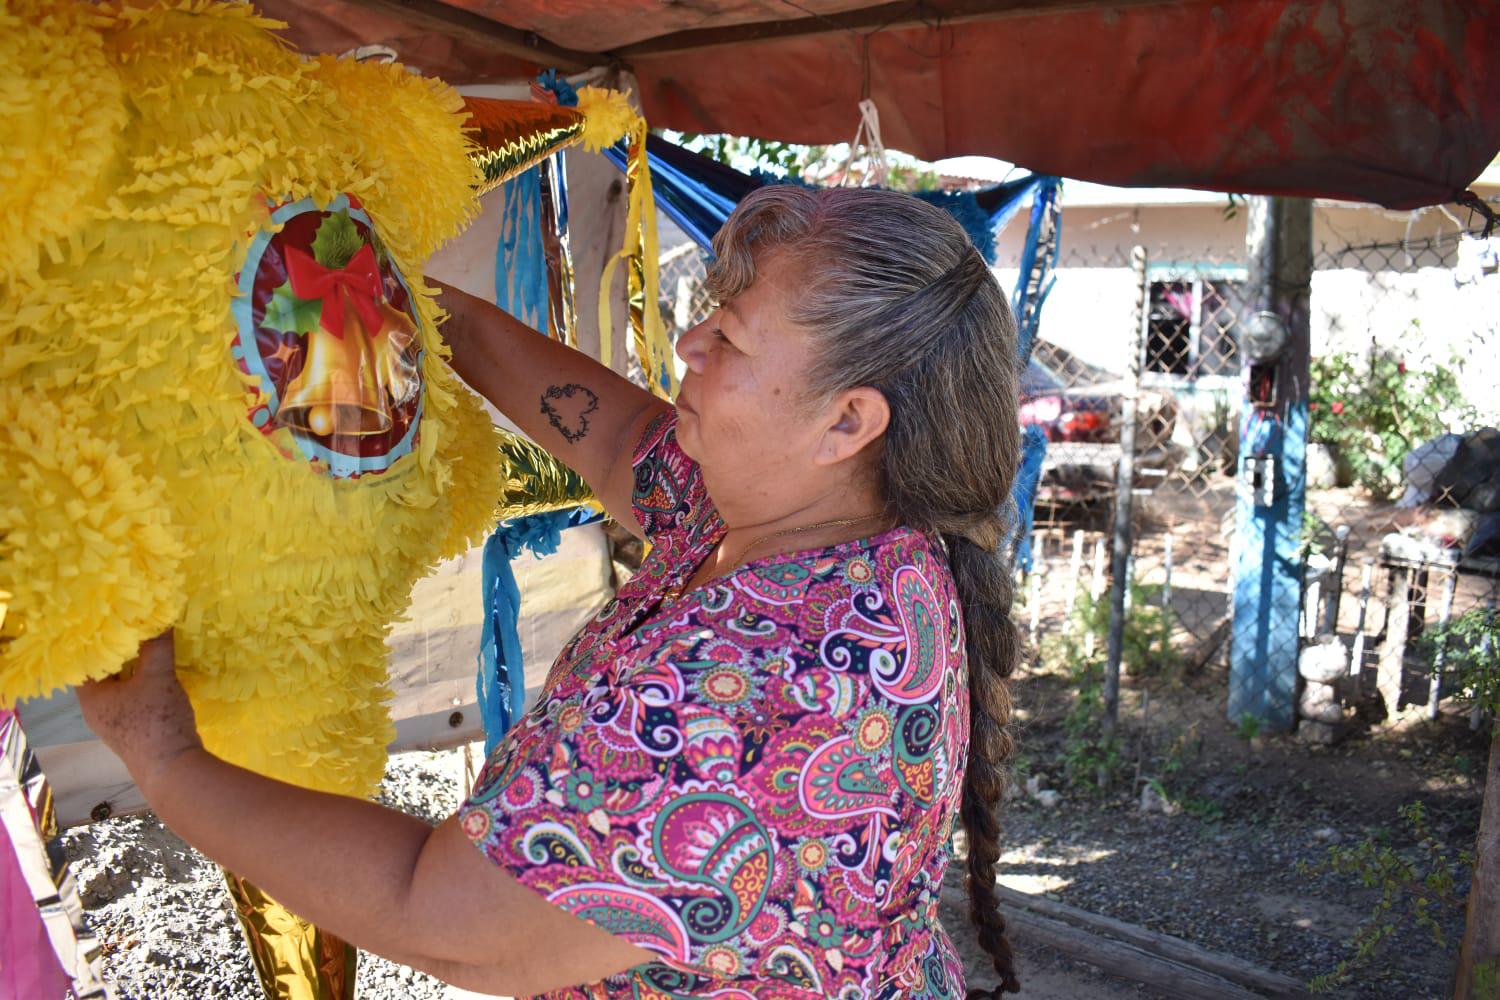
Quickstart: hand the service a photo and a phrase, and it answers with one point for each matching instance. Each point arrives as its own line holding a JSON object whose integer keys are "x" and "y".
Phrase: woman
{"x": 743, "y": 773}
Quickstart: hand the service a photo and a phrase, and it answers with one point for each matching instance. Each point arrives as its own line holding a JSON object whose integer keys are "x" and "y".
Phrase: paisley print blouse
{"x": 755, "y": 781}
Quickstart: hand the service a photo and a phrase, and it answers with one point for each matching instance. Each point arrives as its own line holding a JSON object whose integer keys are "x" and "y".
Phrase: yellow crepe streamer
{"x": 127, "y": 205}
{"x": 652, "y": 346}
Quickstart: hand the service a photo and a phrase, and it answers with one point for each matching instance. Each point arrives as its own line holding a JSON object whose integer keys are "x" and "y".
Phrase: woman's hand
{"x": 145, "y": 717}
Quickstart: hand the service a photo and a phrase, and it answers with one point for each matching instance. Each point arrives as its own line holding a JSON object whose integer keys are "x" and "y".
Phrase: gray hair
{"x": 897, "y": 298}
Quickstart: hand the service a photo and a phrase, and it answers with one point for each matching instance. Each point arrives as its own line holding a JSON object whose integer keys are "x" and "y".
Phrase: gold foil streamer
{"x": 563, "y": 323}
{"x": 515, "y": 135}
{"x": 30, "y": 820}
{"x": 537, "y": 483}
{"x": 294, "y": 959}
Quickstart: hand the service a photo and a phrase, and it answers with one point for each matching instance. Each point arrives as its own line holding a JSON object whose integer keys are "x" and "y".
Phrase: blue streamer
{"x": 520, "y": 262}
{"x": 501, "y": 682}
{"x": 566, "y": 95}
{"x": 1028, "y": 313}
{"x": 1024, "y": 489}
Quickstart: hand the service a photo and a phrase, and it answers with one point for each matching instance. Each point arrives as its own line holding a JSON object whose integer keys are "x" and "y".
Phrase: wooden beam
{"x": 455, "y": 22}
{"x": 1227, "y": 967}
{"x": 880, "y": 17}
{"x": 1177, "y": 980}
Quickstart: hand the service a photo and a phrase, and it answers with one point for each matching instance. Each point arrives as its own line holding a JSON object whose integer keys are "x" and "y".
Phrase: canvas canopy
{"x": 1390, "y": 101}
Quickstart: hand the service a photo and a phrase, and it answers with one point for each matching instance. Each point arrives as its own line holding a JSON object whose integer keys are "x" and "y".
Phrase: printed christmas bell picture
{"x": 336, "y": 361}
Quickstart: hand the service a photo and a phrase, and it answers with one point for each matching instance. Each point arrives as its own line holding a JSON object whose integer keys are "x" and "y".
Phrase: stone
{"x": 1327, "y": 467}
{"x": 1317, "y": 732}
{"x": 1324, "y": 660}
{"x": 1320, "y": 703}
{"x": 1153, "y": 801}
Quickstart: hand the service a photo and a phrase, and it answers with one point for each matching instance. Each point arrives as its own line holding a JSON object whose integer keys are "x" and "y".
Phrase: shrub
{"x": 1377, "y": 412}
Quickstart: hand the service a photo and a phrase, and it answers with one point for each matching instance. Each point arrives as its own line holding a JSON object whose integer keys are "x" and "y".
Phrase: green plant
{"x": 1378, "y": 411}
{"x": 1316, "y": 537}
{"x": 1147, "y": 646}
{"x": 1416, "y": 887}
{"x": 1487, "y": 981}
{"x": 1092, "y": 758}
{"x": 1248, "y": 727}
{"x": 814, "y": 164}
{"x": 1469, "y": 647}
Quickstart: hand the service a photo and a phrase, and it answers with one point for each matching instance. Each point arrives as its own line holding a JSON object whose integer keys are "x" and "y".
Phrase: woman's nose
{"x": 690, "y": 347}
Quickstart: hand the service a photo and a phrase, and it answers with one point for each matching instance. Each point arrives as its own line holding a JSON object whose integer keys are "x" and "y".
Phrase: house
{"x": 1408, "y": 282}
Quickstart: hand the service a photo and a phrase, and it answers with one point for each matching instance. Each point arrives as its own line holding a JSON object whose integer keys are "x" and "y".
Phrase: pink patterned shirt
{"x": 755, "y": 781}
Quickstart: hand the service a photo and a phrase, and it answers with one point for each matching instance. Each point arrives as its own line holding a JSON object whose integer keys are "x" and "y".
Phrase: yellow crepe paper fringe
{"x": 294, "y": 577}
{"x": 607, "y": 117}
{"x": 88, "y": 554}
{"x": 61, "y": 110}
{"x": 420, "y": 156}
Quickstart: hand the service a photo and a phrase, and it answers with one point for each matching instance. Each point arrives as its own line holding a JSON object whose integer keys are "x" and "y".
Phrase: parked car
{"x": 1082, "y": 422}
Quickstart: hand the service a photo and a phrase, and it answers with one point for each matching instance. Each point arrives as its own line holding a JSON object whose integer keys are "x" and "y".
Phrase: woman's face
{"x": 742, "y": 412}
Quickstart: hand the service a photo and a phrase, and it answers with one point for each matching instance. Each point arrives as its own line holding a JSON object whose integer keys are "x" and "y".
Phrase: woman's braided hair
{"x": 898, "y": 298}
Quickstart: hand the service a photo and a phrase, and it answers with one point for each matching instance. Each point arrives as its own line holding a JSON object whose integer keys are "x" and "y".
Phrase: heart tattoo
{"x": 567, "y": 409}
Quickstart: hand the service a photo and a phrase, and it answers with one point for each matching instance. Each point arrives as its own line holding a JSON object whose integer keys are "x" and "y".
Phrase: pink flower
{"x": 1338, "y": 406}
{"x": 1401, "y": 367}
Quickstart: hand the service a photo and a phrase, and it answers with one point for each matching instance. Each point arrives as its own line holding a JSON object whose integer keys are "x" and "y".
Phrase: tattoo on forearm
{"x": 567, "y": 409}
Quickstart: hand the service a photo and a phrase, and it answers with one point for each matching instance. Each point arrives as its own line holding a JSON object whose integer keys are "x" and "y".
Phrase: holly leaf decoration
{"x": 337, "y": 240}
{"x": 288, "y": 314}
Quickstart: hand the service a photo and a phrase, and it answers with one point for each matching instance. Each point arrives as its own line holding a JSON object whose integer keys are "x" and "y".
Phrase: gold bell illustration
{"x": 338, "y": 392}
{"x": 396, "y": 347}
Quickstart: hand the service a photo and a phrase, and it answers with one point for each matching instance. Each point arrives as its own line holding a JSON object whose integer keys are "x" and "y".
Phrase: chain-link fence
{"x": 1399, "y": 546}
{"x": 684, "y": 301}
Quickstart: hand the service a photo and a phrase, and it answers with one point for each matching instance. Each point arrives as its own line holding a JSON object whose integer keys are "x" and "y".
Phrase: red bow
{"x": 361, "y": 277}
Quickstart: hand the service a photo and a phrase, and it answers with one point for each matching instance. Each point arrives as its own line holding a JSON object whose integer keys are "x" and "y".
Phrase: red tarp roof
{"x": 1390, "y": 101}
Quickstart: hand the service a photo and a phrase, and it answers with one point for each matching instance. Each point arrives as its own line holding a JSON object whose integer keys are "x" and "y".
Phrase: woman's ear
{"x": 859, "y": 417}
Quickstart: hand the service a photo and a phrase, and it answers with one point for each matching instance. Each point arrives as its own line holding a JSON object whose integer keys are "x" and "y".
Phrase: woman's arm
{"x": 380, "y": 879}
{"x": 565, "y": 401}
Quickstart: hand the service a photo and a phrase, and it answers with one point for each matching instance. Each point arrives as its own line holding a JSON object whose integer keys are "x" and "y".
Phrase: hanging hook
{"x": 1474, "y": 203}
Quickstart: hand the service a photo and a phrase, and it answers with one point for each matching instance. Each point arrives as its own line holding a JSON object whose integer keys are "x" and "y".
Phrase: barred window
{"x": 1190, "y": 329}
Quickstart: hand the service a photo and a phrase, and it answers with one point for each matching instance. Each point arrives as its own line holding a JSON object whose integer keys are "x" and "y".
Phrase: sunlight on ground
{"x": 1029, "y": 858}
{"x": 1035, "y": 885}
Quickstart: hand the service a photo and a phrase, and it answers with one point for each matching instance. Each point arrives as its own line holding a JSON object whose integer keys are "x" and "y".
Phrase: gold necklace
{"x": 675, "y": 591}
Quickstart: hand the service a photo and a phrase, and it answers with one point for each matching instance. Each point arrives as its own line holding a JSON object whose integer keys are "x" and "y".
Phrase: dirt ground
{"x": 1223, "y": 871}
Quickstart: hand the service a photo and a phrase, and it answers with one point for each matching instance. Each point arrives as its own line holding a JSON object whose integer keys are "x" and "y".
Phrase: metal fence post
{"x": 1124, "y": 485}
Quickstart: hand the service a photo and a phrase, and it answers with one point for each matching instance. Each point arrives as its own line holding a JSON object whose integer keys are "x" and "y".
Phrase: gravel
{"x": 163, "y": 916}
